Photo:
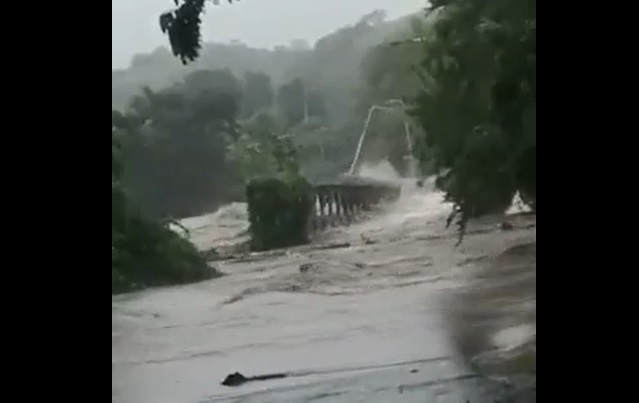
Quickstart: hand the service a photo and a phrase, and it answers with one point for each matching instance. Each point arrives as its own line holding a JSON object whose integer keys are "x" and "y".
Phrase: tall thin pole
{"x": 362, "y": 136}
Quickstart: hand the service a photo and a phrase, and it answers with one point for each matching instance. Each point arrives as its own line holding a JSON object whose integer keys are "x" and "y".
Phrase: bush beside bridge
{"x": 279, "y": 209}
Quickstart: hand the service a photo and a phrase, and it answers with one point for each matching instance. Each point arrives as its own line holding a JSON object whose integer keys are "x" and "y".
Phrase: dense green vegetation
{"x": 174, "y": 158}
{"x": 478, "y": 102}
{"x": 279, "y": 208}
{"x": 144, "y": 252}
{"x": 478, "y": 95}
{"x": 192, "y": 136}
{"x": 315, "y": 99}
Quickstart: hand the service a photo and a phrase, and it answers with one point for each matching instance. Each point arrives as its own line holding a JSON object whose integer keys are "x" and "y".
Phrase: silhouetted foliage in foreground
{"x": 145, "y": 252}
{"x": 477, "y": 104}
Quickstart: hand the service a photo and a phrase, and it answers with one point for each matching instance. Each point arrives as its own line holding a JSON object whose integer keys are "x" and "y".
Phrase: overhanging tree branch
{"x": 182, "y": 25}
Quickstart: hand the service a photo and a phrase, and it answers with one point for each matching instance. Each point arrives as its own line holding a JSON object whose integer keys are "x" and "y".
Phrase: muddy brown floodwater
{"x": 387, "y": 309}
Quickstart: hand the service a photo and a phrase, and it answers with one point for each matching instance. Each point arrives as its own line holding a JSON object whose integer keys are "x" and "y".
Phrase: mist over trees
{"x": 188, "y": 137}
{"x": 233, "y": 98}
{"x": 466, "y": 69}
{"x": 175, "y": 162}
{"x": 257, "y": 94}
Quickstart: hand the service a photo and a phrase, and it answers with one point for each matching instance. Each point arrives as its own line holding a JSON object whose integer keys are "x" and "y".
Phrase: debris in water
{"x": 506, "y": 226}
{"x": 335, "y": 245}
{"x": 237, "y": 379}
{"x": 234, "y": 379}
{"x": 367, "y": 240}
{"x": 304, "y": 267}
{"x": 211, "y": 254}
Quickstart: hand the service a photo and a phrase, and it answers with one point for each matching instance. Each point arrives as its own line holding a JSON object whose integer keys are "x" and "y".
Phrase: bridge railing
{"x": 341, "y": 204}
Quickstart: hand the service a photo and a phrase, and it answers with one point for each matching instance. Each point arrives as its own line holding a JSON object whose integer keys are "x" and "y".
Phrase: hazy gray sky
{"x": 259, "y": 23}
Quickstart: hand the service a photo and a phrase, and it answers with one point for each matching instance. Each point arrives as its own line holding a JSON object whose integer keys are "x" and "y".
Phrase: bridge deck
{"x": 341, "y": 202}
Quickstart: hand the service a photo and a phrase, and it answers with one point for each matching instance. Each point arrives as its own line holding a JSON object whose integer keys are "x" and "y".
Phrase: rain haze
{"x": 280, "y": 204}
{"x": 258, "y": 23}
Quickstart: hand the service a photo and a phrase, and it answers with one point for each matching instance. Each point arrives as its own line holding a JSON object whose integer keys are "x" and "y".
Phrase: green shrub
{"x": 145, "y": 253}
{"x": 279, "y": 209}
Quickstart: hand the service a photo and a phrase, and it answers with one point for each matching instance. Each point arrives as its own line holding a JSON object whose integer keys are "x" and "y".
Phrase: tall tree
{"x": 257, "y": 94}
{"x": 478, "y": 102}
{"x": 176, "y": 164}
{"x": 292, "y": 102}
{"x": 297, "y": 103}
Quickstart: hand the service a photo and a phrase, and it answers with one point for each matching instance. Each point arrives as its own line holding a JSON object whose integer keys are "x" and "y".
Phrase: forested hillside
{"x": 208, "y": 126}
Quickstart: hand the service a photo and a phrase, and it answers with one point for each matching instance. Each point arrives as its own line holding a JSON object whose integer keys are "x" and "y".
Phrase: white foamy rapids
{"x": 371, "y": 304}
{"x": 518, "y": 206}
{"x": 382, "y": 171}
{"x": 228, "y": 225}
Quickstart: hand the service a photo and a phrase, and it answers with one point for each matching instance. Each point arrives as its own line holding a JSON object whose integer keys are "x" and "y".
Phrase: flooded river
{"x": 385, "y": 310}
